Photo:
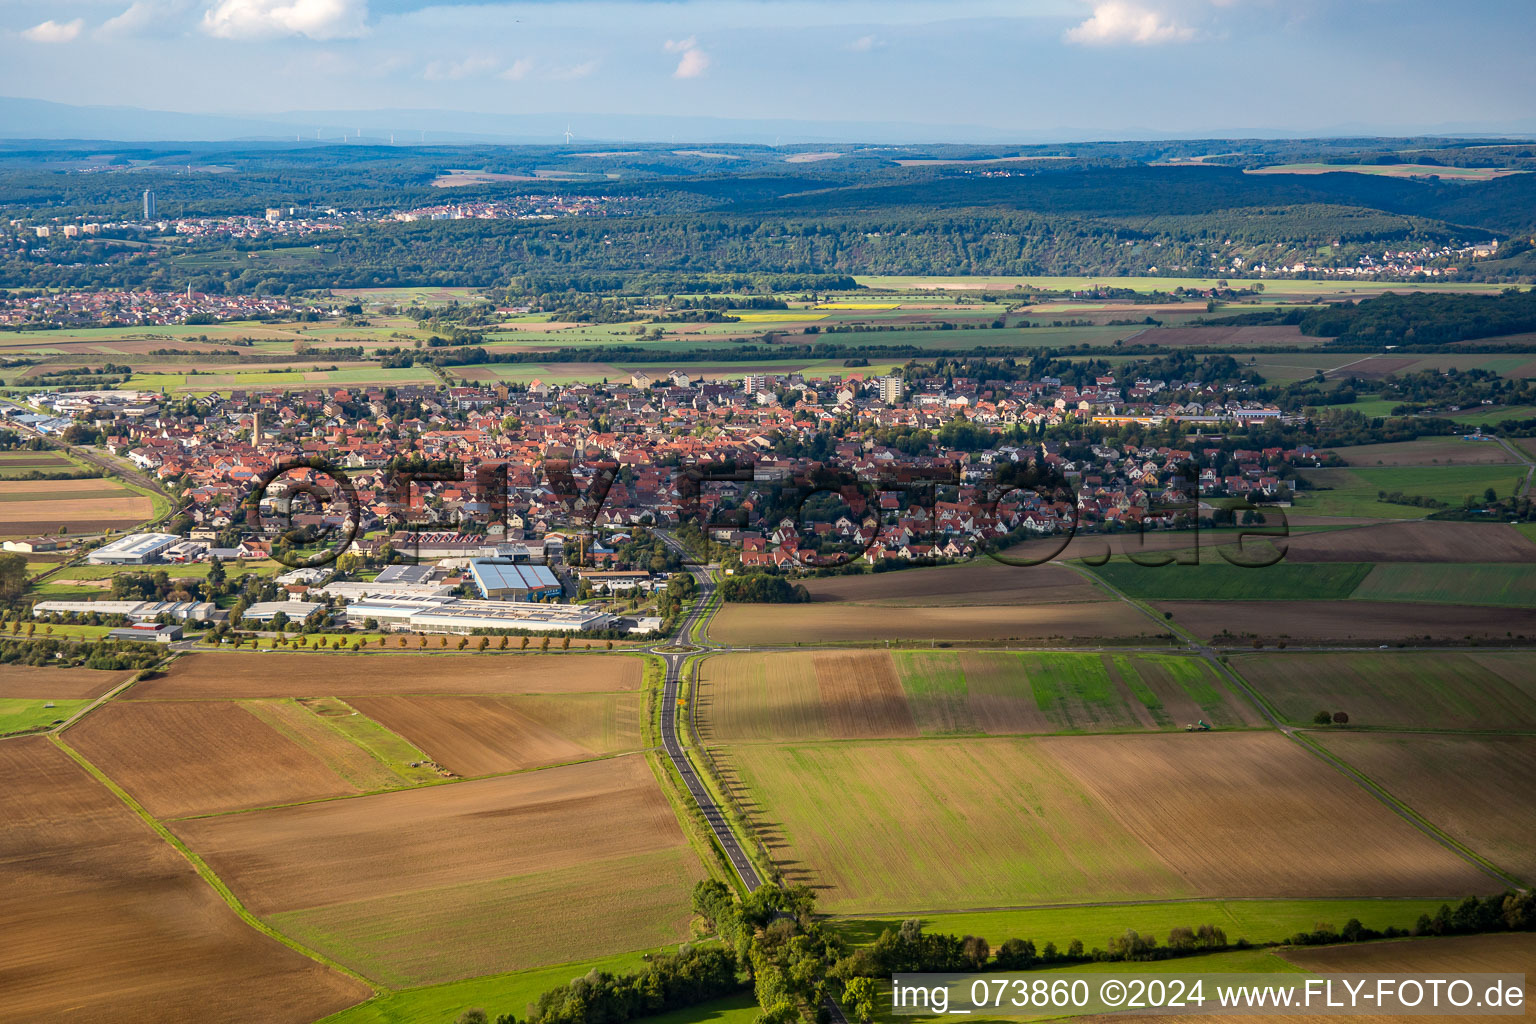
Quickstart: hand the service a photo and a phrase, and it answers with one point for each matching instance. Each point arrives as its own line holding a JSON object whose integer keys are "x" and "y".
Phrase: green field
{"x": 497, "y": 993}
{"x": 1220, "y": 581}
{"x": 1498, "y": 585}
{"x": 888, "y": 826}
{"x": 1486, "y": 691}
{"x": 1353, "y": 492}
{"x": 1491, "y": 414}
{"x": 1258, "y": 921}
{"x": 802, "y": 696}
{"x": 18, "y": 714}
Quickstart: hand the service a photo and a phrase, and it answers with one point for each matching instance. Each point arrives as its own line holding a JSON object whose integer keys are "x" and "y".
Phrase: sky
{"x": 1066, "y": 68}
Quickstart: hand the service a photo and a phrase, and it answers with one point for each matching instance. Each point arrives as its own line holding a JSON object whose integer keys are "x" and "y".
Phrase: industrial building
{"x": 134, "y": 549}
{"x": 146, "y": 631}
{"x": 508, "y": 581}
{"x": 139, "y": 611}
{"x": 455, "y": 615}
{"x": 358, "y": 590}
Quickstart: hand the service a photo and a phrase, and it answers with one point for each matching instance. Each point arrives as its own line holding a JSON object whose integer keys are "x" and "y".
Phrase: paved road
{"x": 676, "y": 662}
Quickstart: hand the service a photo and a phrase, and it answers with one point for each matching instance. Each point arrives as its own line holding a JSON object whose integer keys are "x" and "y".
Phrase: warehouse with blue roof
{"x": 506, "y": 581}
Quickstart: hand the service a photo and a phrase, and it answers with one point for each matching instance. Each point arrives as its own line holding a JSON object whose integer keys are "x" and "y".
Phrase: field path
{"x": 1525, "y": 460}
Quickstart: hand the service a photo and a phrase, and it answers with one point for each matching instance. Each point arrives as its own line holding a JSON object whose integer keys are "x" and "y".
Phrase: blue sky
{"x": 1075, "y": 68}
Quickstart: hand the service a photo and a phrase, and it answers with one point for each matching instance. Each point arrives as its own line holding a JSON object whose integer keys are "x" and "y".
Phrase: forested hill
{"x": 1504, "y": 205}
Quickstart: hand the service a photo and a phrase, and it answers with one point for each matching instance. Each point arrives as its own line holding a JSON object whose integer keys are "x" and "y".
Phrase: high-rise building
{"x": 890, "y": 389}
{"x": 755, "y": 383}
{"x": 149, "y": 205}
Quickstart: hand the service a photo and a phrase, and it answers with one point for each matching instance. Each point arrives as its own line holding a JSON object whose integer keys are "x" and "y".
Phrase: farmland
{"x": 1213, "y": 580}
{"x": 1414, "y": 542}
{"x": 119, "y": 925}
{"x": 1459, "y": 953}
{"x": 57, "y": 683}
{"x": 233, "y": 676}
{"x": 1471, "y": 690}
{"x": 415, "y": 887}
{"x": 1357, "y": 622}
{"x": 979, "y": 582}
{"x": 1502, "y": 584}
{"x": 746, "y": 625}
{"x": 479, "y": 735}
{"x": 21, "y": 714}
{"x": 199, "y": 757}
{"x": 30, "y": 507}
{"x": 801, "y": 696}
{"x": 1426, "y": 451}
{"x": 1353, "y": 492}
{"x": 1475, "y": 788}
{"x": 895, "y": 826}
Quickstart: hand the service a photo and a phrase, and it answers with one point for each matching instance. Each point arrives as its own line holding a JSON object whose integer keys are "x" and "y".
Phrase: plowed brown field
{"x": 200, "y": 757}
{"x": 1477, "y": 789}
{"x": 105, "y": 921}
{"x": 1349, "y": 621}
{"x": 748, "y": 625}
{"x": 231, "y": 675}
{"x": 481, "y": 735}
{"x": 861, "y": 696}
{"x": 1414, "y": 542}
{"x": 983, "y": 581}
{"x": 28, "y": 681}
{"x": 472, "y": 878}
{"x": 372, "y": 846}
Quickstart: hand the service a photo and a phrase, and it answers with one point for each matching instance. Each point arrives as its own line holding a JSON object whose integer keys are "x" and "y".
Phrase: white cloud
{"x": 257, "y": 19}
{"x": 694, "y": 61}
{"x": 458, "y": 70}
{"x": 1117, "y": 22}
{"x": 52, "y": 31}
{"x": 575, "y": 71}
{"x": 864, "y": 44}
{"x": 145, "y": 17}
{"x": 517, "y": 70}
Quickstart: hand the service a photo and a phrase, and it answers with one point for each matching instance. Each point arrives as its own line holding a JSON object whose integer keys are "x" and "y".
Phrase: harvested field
{"x": 1477, "y": 789}
{"x": 1414, "y": 542}
{"x": 57, "y": 683}
{"x": 894, "y": 826}
{"x": 1348, "y": 621}
{"x": 359, "y": 751}
{"x": 429, "y": 884}
{"x": 200, "y": 757}
{"x": 612, "y": 905}
{"x": 1261, "y": 792}
{"x": 110, "y": 923}
{"x": 979, "y": 582}
{"x": 816, "y": 623}
{"x": 228, "y": 675}
{"x": 1511, "y": 953}
{"x": 1426, "y": 451}
{"x": 482, "y": 735}
{"x": 860, "y": 696}
{"x": 1472, "y": 690}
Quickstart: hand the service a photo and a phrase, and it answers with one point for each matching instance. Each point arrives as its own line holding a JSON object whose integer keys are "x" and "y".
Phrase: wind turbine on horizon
{"x": 567, "y": 133}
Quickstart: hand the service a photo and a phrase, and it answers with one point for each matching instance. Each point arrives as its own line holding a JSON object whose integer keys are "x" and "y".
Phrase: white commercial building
{"x": 454, "y": 615}
{"x": 134, "y": 549}
{"x": 140, "y": 611}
